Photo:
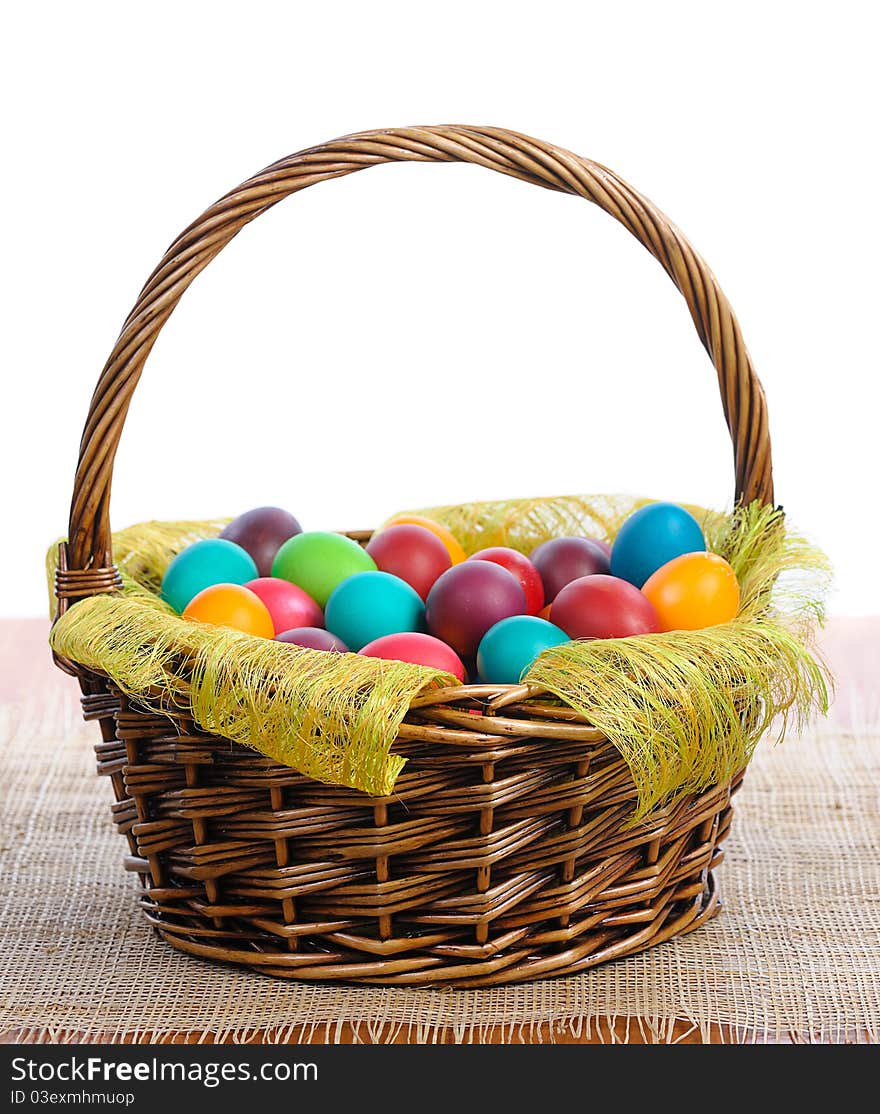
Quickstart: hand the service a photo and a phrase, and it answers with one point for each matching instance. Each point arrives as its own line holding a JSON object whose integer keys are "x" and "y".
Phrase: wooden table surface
{"x": 851, "y": 647}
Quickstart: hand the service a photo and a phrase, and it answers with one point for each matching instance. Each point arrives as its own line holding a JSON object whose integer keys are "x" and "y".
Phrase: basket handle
{"x": 89, "y": 558}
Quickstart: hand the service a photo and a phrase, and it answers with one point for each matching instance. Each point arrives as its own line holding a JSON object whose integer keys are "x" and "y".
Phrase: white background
{"x": 422, "y": 334}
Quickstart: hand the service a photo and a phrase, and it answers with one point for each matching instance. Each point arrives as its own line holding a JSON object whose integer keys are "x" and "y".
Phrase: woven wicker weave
{"x": 505, "y": 852}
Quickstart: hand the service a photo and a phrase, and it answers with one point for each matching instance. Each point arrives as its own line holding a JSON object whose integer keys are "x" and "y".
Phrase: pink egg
{"x": 522, "y": 568}
{"x": 288, "y": 604}
{"x": 417, "y": 648}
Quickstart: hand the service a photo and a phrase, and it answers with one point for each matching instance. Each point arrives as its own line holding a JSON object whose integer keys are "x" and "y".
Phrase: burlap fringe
{"x": 608, "y": 1029}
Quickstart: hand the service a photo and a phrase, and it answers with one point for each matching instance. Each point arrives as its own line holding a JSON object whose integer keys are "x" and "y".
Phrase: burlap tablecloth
{"x": 795, "y": 954}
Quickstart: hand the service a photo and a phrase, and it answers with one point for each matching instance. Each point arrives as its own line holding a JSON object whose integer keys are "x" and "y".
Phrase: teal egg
{"x": 206, "y": 562}
{"x": 369, "y": 605}
{"x": 652, "y": 536}
{"x": 508, "y": 650}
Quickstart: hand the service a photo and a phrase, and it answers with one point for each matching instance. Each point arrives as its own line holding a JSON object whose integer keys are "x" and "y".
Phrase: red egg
{"x": 417, "y": 648}
{"x": 522, "y": 568}
{"x": 313, "y": 638}
{"x": 562, "y": 560}
{"x": 262, "y": 532}
{"x": 470, "y": 598}
{"x": 412, "y": 553}
{"x": 288, "y": 604}
{"x": 600, "y": 606}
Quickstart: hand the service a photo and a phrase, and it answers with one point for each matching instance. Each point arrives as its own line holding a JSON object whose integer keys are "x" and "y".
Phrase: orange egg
{"x": 231, "y": 605}
{"x": 693, "y": 591}
{"x": 456, "y": 553}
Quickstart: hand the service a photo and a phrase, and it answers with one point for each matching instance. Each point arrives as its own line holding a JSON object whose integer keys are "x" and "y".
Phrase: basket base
{"x": 499, "y": 860}
{"x": 610, "y": 939}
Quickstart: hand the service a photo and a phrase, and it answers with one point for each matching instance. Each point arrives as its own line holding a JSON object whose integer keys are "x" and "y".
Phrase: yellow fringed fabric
{"x": 685, "y": 709}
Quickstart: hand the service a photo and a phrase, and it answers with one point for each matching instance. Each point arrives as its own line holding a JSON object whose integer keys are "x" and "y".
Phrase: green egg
{"x": 318, "y": 561}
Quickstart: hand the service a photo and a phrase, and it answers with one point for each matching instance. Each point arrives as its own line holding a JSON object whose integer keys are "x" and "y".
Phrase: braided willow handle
{"x": 495, "y": 148}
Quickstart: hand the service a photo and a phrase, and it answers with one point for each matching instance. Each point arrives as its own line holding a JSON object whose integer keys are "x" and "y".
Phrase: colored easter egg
{"x": 231, "y": 605}
{"x": 313, "y": 638}
{"x": 411, "y": 552}
{"x": 508, "y": 650}
{"x": 601, "y": 606}
{"x": 417, "y": 648}
{"x": 470, "y": 598}
{"x": 288, "y": 604}
{"x": 206, "y": 562}
{"x": 693, "y": 591}
{"x": 650, "y": 537}
{"x": 262, "y": 532}
{"x": 318, "y": 561}
{"x": 522, "y": 568}
{"x": 456, "y": 553}
{"x": 562, "y": 560}
{"x": 369, "y": 605}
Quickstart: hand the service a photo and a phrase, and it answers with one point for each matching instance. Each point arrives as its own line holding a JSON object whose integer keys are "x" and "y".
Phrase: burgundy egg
{"x": 470, "y": 598}
{"x": 412, "y": 553}
{"x": 313, "y": 638}
{"x": 262, "y": 532}
{"x": 522, "y": 568}
{"x": 601, "y": 606}
{"x": 562, "y": 560}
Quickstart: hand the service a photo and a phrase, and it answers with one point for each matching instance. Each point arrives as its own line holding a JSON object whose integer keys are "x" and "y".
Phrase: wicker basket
{"x": 505, "y": 852}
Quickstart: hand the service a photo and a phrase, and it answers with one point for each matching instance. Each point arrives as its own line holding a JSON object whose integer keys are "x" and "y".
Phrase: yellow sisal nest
{"x": 685, "y": 709}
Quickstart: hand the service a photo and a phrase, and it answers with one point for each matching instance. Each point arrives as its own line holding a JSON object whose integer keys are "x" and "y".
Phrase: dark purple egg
{"x": 262, "y": 532}
{"x": 470, "y": 598}
{"x": 562, "y": 560}
{"x": 313, "y": 638}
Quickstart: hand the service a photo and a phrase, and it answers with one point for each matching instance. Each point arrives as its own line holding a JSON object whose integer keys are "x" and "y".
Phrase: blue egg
{"x": 206, "y": 562}
{"x": 508, "y": 650}
{"x": 650, "y": 537}
{"x": 369, "y": 605}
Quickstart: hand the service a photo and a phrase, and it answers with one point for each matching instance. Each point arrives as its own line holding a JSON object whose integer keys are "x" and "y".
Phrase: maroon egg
{"x": 262, "y": 532}
{"x": 562, "y": 560}
{"x": 313, "y": 638}
{"x": 412, "y": 553}
{"x": 470, "y": 598}
{"x": 600, "y": 606}
{"x": 522, "y": 568}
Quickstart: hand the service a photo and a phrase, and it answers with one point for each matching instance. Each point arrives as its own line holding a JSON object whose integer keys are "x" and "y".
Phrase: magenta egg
{"x": 262, "y": 532}
{"x": 288, "y": 604}
{"x": 562, "y": 560}
{"x": 411, "y": 553}
{"x": 417, "y": 648}
{"x": 313, "y": 638}
{"x": 470, "y": 598}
